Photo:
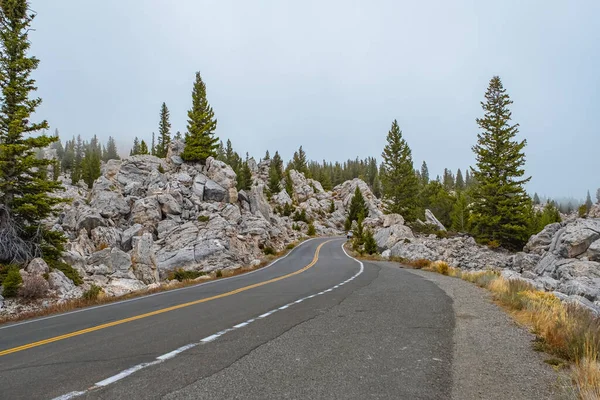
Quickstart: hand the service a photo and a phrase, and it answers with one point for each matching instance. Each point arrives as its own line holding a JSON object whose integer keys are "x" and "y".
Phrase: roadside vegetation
{"x": 567, "y": 331}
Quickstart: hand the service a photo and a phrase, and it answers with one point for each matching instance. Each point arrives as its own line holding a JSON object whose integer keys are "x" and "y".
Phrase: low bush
{"x": 161, "y": 169}
{"x": 311, "y": 230}
{"x": 300, "y": 216}
{"x": 66, "y": 269}
{"x": 203, "y": 218}
{"x": 493, "y": 244}
{"x": 219, "y": 274}
{"x": 269, "y": 251}
{"x": 290, "y": 246}
{"x": 92, "y": 293}
{"x": 419, "y": 264}
{"x": 33, "y": 287}
{"x": 12, "y": 282}
{"x": 183, "y": 275}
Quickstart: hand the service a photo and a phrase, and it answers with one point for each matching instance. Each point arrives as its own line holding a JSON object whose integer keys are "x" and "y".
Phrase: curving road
{"x": 316, "y": 324}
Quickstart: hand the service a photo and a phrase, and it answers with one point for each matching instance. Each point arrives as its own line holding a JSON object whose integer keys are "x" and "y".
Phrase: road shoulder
{"x": 493, "y": 356}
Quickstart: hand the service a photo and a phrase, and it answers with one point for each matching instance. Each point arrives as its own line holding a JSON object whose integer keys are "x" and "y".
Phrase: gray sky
{"x": 332, "y": 75}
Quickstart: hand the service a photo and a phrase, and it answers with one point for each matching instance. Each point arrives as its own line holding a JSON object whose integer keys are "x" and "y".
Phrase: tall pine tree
{"x": 111, "y": 150}
{"x": 399, "y": 182}
{"x": 424, "y": 173}
{"x": 459, "y": 183}
{"x": 24, "y": 191}
{"x": 200, "y": 140}
{"x": 500, "y": 204}
{"x": 164, "y": 132}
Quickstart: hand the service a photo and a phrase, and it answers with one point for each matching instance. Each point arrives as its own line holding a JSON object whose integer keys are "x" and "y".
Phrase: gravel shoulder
{"x": 493, "y": 356}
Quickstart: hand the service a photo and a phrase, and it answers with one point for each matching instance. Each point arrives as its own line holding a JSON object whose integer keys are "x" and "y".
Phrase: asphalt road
{"x": 279, "y": 332}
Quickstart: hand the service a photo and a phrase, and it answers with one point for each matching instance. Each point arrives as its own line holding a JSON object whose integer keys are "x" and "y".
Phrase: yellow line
{"x": 161, "y": 311}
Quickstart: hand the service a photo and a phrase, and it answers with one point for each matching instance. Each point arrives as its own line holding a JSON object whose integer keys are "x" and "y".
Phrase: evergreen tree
{"x": 459, "y": 184}
{"x": 439, "y": 201}
{"x": 267, "y": 155}
{"x": 244, "y": 178}
{"x": 358, "y": 207}
{"x": 424, "y": 173}
{"x": 588, "y": 202}
{"x": 77, "y": 161}
{"x": 111, "y": 150}
{"x": 536, "y": 199}
{"x": 143, "y": 148}
{"x": 369, "y": 242}
{"x": 221, "y": 152}
{"x": 136, "y": 147}
{"x": 500, "y": 203}
{"x": 68, "y": 156}
{"x": 399, "y": 183}
{"x": 24, "y": 193}
{"x": 468, "y": 180}
{"x": 299, "y": 162}
{"x": 200, "y": 142}
{"x": 164, "y": 132}
{"x": 275, "y": 173}
{"x": 448, "y": 180}
{"x": 460, "y": 214}
{"x": 90, "y": 166}
{"x": 57, "y": 145}
{"x": 153, "y": 146}
{"x": 178, "y": 136}
{"x": 229, "y": 154}
{"x": 598, "y": 195}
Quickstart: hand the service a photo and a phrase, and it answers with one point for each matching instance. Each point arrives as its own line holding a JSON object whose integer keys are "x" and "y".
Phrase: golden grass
{"x": 73, "y": 304}
{"x": 567, "y": 331}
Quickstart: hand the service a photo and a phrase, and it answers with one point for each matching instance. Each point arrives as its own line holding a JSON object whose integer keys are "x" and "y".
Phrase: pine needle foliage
{"x": 200, "y": 140}
{"x": 500, "y": 205}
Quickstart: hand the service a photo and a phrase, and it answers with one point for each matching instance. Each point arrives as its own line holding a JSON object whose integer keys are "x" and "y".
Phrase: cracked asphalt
{"x": 388, "y": 334}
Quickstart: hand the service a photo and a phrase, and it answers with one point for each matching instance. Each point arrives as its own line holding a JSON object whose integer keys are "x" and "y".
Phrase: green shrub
{"x": 66, "y": 269}
{"x": 582, "y": 210}
{"x": 269, "y": 251}
{"x": 311, "y": 230}
{"x": 296, "y": 227}
{"x": 332, "y": 207}
{"x": 219, "y": 274}
{"x": 290, "y": 246}
{"x": 92, "y": 293}
{"x": 12, "y": 282}
{"x": 425, "y": 229}
{"x": 288, "y": 209}
{"x": 300, "y": 216}
{"x": 493, "y": 244}
{"x": 183, "y": 275}
{"x": 203, "y": 218}
{"x": 370, "y": 243}
{"x": 161, "y": 169}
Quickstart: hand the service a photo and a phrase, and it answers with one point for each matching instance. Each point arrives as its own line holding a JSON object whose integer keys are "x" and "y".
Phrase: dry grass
{"x": 89, "y": 301}
{"x": 567, "y": 331}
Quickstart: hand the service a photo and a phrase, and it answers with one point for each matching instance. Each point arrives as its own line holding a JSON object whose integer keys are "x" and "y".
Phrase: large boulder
{"x": 541, "y": 242}
{"x": 106, "y": 197}
{"x": 431, "y": 219}
{"x": 198, "y": 185}
{"x": 143, "y": 259}
{"x": 60, "y": 283}
{"x": 577, "y": 237}
{"x": 386, "y": 238}
{"x": 215, "y": 192}
{"x": 345, "y": 192}
{"x": 37, "y": 266}
{"x": 258, "y": 202}
{"x": 146, "y": 212}
{"x": 168, "y": 204}
{"x": 224, "y": 176}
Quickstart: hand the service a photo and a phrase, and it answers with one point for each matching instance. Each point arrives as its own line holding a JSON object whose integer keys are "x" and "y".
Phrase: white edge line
{"x": 174, "y": 353}
{"x": 151, "y": 295}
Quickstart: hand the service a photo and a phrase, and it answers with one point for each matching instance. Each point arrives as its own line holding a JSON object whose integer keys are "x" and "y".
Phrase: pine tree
{"x": 68, "y": 156}
{"x": 275, "y": 173}
{"x": 448, "y": 180}
{"x": 244, "y": 178}
{"x": 143, "y": 148}
{"x": 178, "y": 136}
{"x": 459, "y": 184}
{"x": 221, "y": 152}
{"x": 369, "y": 242}
{"x": 358, "y": 207}
{"x": 588, "y": 202}
{"x": 136, "y": 147}
{"x": 77, "y": 161}
{"x": 58, "y": 146}
{"x": 229, "y": 154}
{"x": 111, "y": 150}
{"x": 24, "y": 193}
{"x": 399, "y": 183}
{"x": 90, "y": 165}
{"x": 153, "y": 145}
{"x": 460, "y": 214}
{"x": 200, "y": 142}
{"x": 536, "y": 199}
{"x": 598, "y": 195}
{"x": 267, "y": 155}
{"x": 164, "y": 132}
{"x": 500, "y": 203}
{"x": 299, "y": 162}
{"x": 424, "y": 173}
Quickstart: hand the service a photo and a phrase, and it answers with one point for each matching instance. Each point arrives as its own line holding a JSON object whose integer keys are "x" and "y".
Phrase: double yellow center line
{"x": 162, "y": 310}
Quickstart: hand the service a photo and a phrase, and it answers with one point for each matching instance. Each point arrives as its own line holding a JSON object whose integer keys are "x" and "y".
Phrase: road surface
{"x": 316, "y": 324}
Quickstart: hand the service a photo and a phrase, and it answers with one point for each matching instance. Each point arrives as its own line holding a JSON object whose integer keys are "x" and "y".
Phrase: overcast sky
{"x": 332, "y": 75}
